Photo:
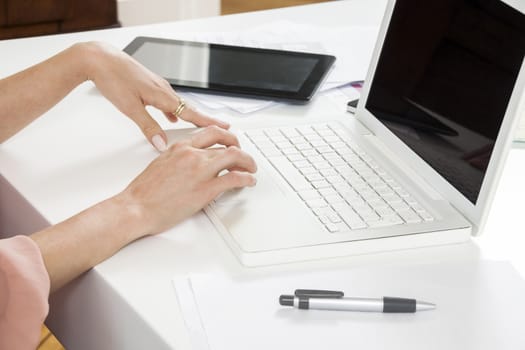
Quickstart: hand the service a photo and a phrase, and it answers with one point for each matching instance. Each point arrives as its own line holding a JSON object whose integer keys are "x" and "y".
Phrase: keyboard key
{"x": 302, "y": 164}
{"x": 303, "y": 146}
{"x": 410, "y": 200}
{"x": 318, "y": 143}
{"x": 337, "y": 228}
{"x": 399, "y": 206}
{"x": 387, "y": 221}
{"x": 324, "y": 220}
{"x": 332, "y": 227}
{"x": 409, "y": 216}
{"x": 292, "y": 152}
{"x": 349, "y": 216}
{"x": 327, "y": 133}
{"x": 328, "y": 191}
{"x": 335, "y": 179}
{"x": 290, "y": 132}
{"x": 320, "y": 184}
{"x": 315, "y": 159}
{"x": 363, "y": 209}
{"x": 384, "y": 211}
{"x": 316, "y": 203}
{"x": 336, "y": 161}
{"x": 309, "y": 194}
{"x": 416, "y": 207}
{"x": 314, "y": 177}
{"x": 305, "y": 130}
{"x": 329, "y": 172}
{"x": 308, "y": 170}
{"x": 324, "y": 149}
{"x": 297, "y": 140}
{"x": 402, "y": 193}
{"x": 322, "y": 165}
{"x": 290, "y": 173}
{"x": 284, "y": 144}
{"x": 392, "y": 198}
{"x": 334, "y": 218}
{"x": 313, "y": 137}
{"x": 294, "y": 157}
{"x": 334, "y": 199}
{"x": 339, "y": 146}
{"x": 426, "y": 215}
{"x": 309, "y": 153}
{"x": 355, "y": 201}
{"x": 330, "y": 138}
{"x": 371, "y": 217}
{"x": 278, "y": 139}
{"x": 384, "y": 191}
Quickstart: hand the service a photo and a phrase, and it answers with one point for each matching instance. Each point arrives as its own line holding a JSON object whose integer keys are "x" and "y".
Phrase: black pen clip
{"x": 316, "y": 293}
{"x": 305, "y": 294}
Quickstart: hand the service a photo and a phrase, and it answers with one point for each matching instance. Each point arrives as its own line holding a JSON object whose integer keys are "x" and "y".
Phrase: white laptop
{"x": 435, "y": 123}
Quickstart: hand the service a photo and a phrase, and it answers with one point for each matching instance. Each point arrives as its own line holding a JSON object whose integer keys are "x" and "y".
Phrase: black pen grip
{"x": 395, "y": 305}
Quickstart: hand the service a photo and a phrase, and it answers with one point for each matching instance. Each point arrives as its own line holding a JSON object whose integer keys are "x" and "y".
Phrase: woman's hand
{"x": 180, "y": 182}
{"x": 131, "y": 87}
{"x": 187, "y": 177}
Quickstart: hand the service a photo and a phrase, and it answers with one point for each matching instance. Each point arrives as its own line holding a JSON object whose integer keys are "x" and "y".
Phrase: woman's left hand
{"x": 131, "y": 87}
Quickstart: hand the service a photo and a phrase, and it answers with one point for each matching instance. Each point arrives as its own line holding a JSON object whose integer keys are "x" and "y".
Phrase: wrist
{"x": 132, "y": 215}
{"x": 88, "y": 55}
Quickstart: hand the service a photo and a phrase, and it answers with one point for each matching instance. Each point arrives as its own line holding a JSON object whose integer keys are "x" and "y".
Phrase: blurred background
{"x": 23, "y": 18}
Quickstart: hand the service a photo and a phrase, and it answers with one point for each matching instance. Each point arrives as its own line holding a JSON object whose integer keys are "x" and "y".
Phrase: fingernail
{"x": 159, "y": 143}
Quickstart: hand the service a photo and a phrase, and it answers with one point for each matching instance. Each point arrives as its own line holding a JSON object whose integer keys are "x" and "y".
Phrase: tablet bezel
{"x": 304, "y": 94}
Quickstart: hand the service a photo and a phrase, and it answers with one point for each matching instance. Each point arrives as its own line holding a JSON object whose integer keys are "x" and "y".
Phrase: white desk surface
{"x": 83, "y": 151}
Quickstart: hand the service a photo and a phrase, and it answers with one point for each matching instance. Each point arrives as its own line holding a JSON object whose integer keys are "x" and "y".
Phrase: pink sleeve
{"x": 24, "y": 290}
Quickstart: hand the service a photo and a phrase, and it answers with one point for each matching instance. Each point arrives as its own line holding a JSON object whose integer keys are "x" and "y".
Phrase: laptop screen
{"x": 443, "y": 81}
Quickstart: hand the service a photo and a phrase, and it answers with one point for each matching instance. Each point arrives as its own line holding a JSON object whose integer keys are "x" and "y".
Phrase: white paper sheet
{"x": 480, "y": 305}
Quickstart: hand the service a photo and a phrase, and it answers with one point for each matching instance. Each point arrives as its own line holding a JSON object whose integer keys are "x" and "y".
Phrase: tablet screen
{"x": 232, "y": 69}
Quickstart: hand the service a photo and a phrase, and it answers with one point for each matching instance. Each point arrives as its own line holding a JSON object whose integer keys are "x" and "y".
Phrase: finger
{"x": 233, "y": 158}
{"x": 167, "y": 100}
{"x": 150, "y": 128}
{"x": 171, "y": 117}
{"x": 214, "y": 152}
{"x": 232, "y": 180}
{"x": 214, "y": 135}
{"x": 191, "y": 115}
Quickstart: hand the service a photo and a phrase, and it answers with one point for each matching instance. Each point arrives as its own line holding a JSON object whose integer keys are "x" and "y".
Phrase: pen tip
{"x": 423, "y": 306}
{"x": 286, "y": 300}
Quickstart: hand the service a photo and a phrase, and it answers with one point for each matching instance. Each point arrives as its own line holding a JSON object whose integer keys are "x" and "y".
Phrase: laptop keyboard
{"x": 342, "y": 186}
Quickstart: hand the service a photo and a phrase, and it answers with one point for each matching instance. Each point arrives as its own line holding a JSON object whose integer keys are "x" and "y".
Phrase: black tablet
{"x": 235, "y": 70}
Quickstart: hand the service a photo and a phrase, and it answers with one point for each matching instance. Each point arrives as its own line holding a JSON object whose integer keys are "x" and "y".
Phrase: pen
{"x": 334, "y": 300}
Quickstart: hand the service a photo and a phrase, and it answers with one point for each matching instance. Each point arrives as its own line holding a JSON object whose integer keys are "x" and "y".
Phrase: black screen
{"x": 444, "y": 79}
{"x": 205, "y": 66}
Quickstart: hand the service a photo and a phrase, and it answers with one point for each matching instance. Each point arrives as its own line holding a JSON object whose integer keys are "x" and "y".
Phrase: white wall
{"x": 134, "y": 12}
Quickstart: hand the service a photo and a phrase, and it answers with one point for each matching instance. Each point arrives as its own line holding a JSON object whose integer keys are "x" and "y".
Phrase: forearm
{"x": 28, "y": 94}
{"x": 74, "y": 246}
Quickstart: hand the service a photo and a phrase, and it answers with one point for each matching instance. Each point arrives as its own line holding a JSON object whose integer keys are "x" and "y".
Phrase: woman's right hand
{"x": 186, "y": 177}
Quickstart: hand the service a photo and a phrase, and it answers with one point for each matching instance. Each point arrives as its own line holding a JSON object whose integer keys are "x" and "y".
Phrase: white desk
{"x": 83, "y": 151}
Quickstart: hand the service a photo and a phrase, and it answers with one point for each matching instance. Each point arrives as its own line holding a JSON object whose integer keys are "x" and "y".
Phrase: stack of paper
{"x": 480, "y": 305}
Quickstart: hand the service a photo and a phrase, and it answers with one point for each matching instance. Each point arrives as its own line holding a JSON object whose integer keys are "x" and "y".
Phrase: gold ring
{"x": 180, "y": 108}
